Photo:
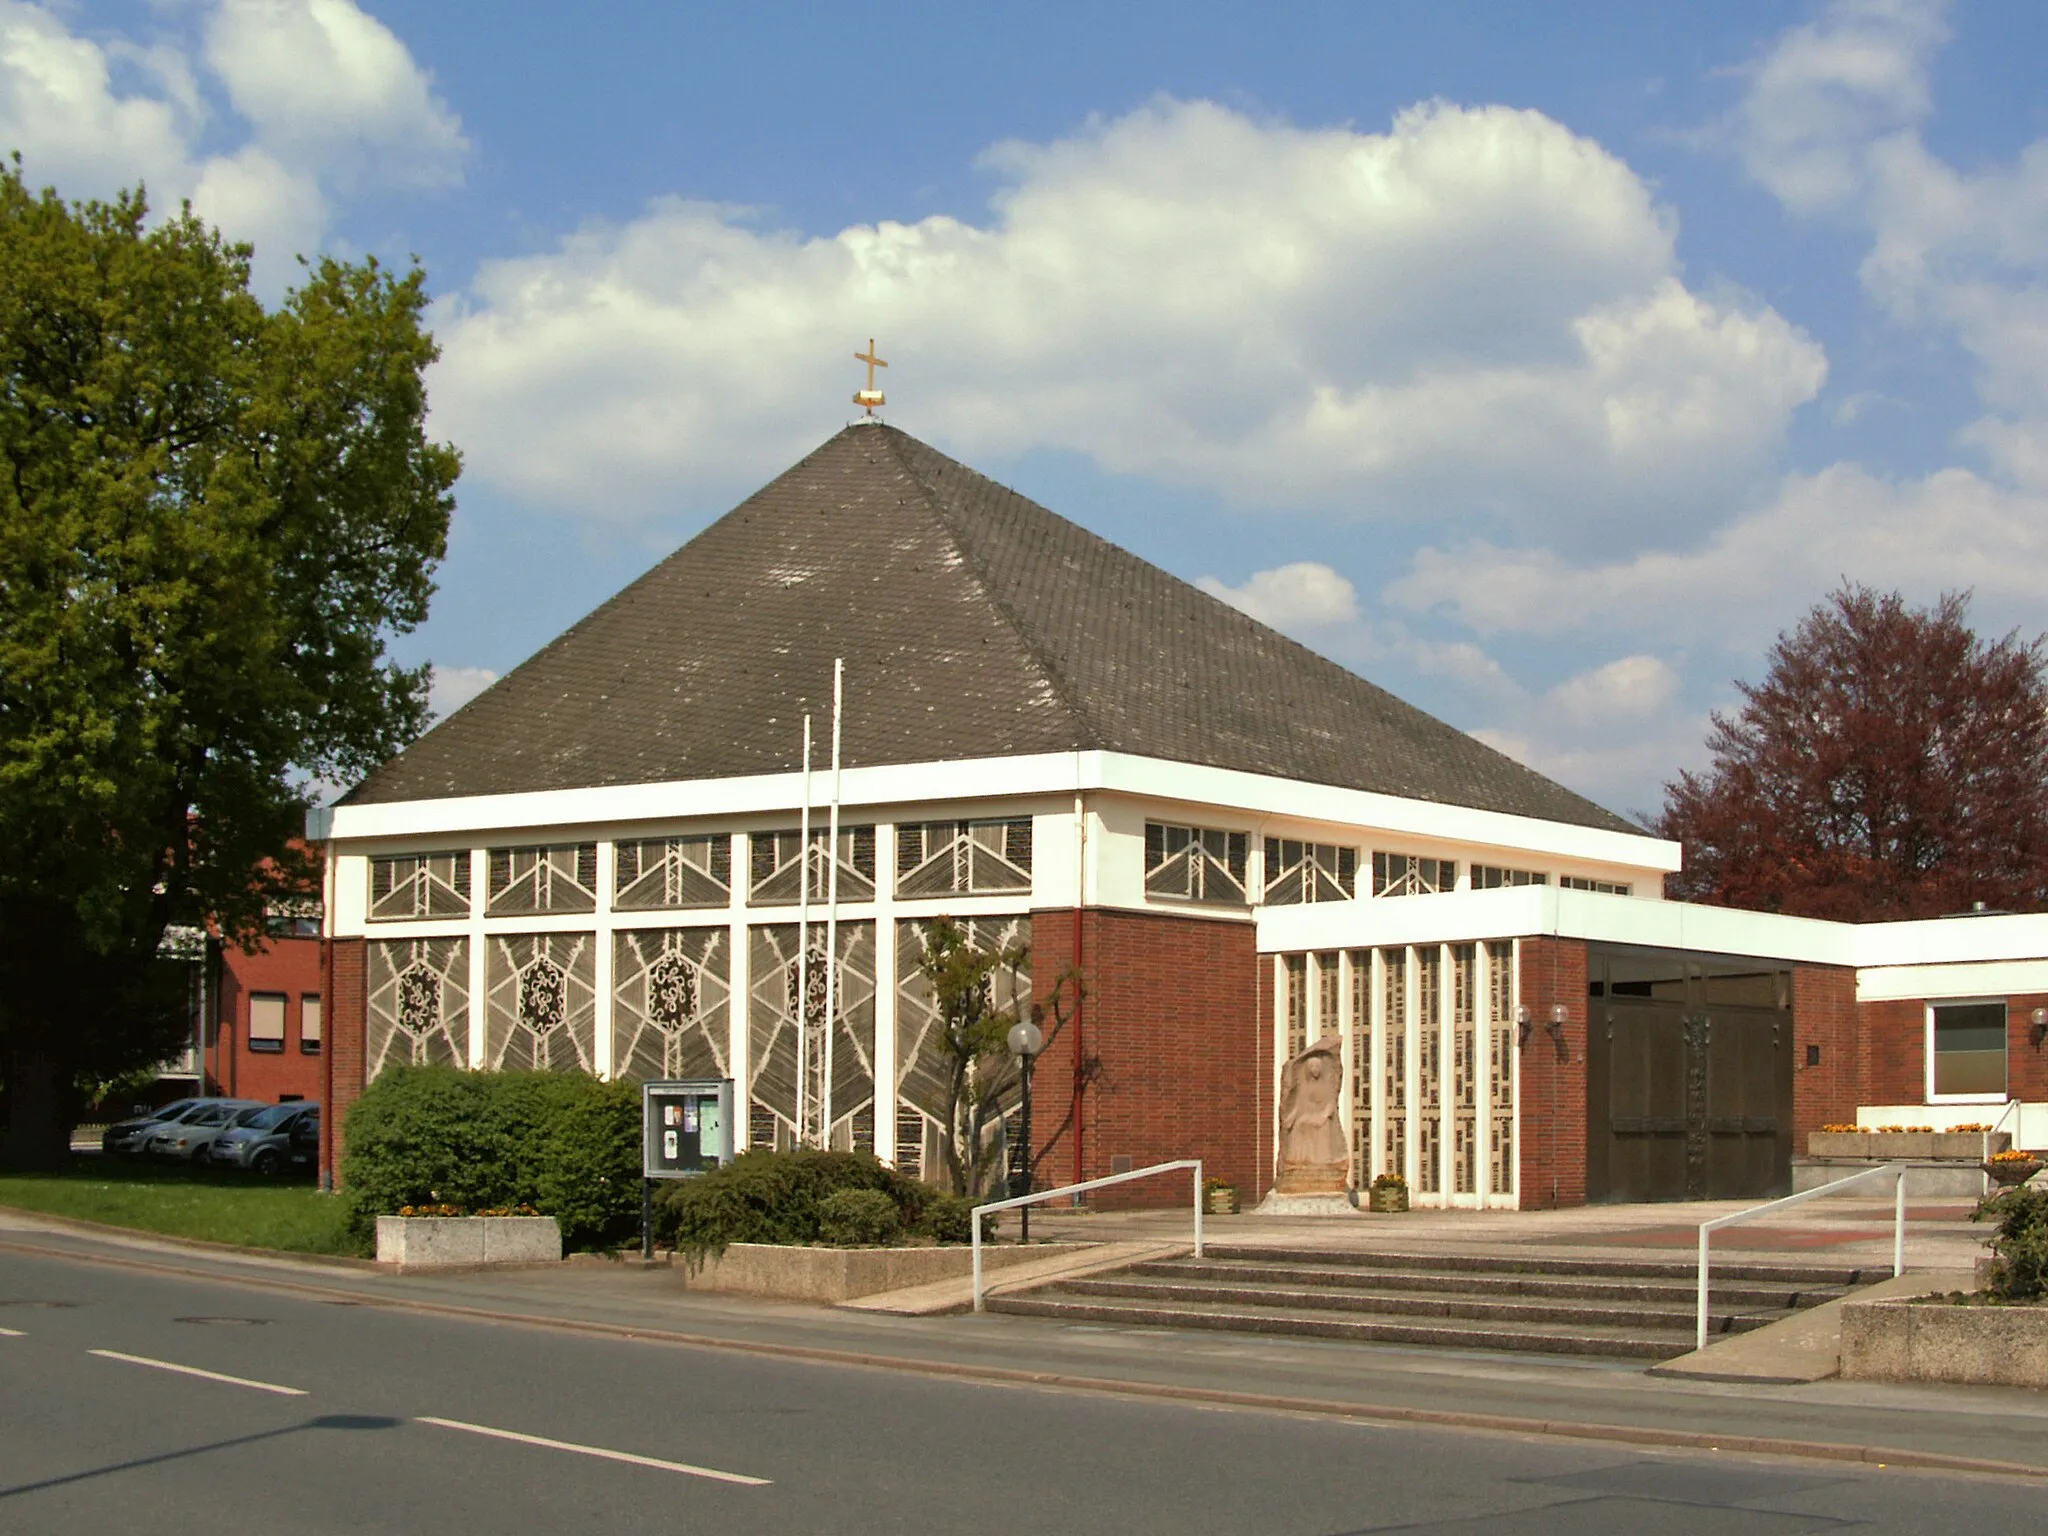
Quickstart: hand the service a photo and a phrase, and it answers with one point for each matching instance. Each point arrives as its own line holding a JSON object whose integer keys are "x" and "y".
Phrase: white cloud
{"x": 321, "y": 98}
{"x": 1476, "y": 310}
{"x": 449, "y": 688}
{"x": 1304, "y": 594}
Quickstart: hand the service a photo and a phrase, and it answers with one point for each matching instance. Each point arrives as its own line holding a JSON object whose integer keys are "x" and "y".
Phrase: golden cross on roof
{"x": 870, "y": 397}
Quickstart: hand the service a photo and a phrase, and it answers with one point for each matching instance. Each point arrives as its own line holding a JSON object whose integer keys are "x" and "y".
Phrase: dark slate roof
{"x": 974, "y": 623}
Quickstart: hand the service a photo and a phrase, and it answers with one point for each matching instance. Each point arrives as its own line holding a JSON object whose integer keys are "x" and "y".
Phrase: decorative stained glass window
{"x": 540, "y": 1011}
{"x": 1301, "y": 872}
{"x": 558, "y": 879}
{"x": 664, "y": 873}
{"x": 671, "y": 992}
{"x": 776, "y": 879}
{"x": 1294, "y": 972}
{"x": 1394, "y": 1013}
{"x": 1407, "y": 874}
{"x": 1491, "y": 877}
{"x": 1603, "y": 887}
{"x": 1500, "y": 1087}
{"x": 1464, "y": 1069}
{"x": 963, "y": 858}
{"x": 419, "y": 885}
{"x": 1198, "y": 864}
{"x": 775, "y": 1002}
{"x": 1429, "y": 1069}
{"x": 923, "y": 1065}
{"x": 418, "y": 1004}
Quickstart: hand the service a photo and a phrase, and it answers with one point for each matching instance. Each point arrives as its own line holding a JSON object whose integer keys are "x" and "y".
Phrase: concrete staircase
{"x": 1626, "y": 1308}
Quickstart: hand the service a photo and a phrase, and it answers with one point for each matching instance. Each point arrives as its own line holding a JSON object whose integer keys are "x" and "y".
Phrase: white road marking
{"x": 193, "y": 1370}
{"x": 599, "y": 1451}
{"x": 12, "y": 1333}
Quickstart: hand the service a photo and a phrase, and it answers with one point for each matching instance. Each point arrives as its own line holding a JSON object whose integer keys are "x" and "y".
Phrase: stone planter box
{"x": 444, "y": 1242}
{"x": 1936, "y": 1341}
{"x": 790, "y": 1273}
{"x": 1970, "y": 1146}
{"x": 1222, "y": 1201}
{"x": 1388, "y": 1199}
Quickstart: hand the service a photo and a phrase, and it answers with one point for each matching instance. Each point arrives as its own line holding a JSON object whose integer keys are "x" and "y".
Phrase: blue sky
{"x": 1540, "y": 362}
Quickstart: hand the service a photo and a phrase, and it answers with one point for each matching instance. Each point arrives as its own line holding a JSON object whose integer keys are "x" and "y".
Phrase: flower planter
{"x": 793, "y": 1272}
{"x": 443, "y": 1242}
{"x": 2010, "y": 1174}
{"x": 1222, "y": 1200}
{"x": 1388, "y": 1199}
{"x": 1838, "y": 1144}
{"x": 1969, "y": 1146}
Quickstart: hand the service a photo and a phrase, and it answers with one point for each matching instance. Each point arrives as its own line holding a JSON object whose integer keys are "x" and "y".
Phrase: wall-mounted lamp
{"x": 2040, "y": 1027}
{"x": 1558, "y": 1014}
{"x": 1525, "y": 1026}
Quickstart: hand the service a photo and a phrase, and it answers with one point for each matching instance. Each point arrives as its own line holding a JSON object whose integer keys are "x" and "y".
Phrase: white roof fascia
{"x": 1274, "y": 796}
{"x": 1532, "y": 911}
{"x": 981, "y": 778}
{"x": 1981, "y": 978}
{"x": 1953, "y": 940}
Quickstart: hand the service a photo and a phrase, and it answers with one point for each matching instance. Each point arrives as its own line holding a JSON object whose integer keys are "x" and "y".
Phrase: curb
{"x": 1365, "y": 1413}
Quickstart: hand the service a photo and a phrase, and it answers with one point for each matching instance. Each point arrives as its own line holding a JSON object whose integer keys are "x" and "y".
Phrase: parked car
{"x": 270, "y": 1140}
{"x": 128, "y": 1135}
{"x": 190, "y": 1140}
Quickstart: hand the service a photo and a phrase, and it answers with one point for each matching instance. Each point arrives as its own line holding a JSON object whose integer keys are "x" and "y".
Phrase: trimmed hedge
{"x": 565, "y": 1144}
{"x": 783, "y": 1197}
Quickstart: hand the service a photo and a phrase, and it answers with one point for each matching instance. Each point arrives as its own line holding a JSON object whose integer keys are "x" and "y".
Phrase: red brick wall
{"x": 1552, "y": 1154}
{"x": 1824, "y": 1015}
{"x": 347, "y": 1042}
{"x": 1170, "y": 1045}
{"x": 287, "y": 966}
{"x": 1894, "y": 1035}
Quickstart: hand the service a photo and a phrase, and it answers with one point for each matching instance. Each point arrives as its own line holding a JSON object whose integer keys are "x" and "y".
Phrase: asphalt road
{"x": 321, "y": 1416}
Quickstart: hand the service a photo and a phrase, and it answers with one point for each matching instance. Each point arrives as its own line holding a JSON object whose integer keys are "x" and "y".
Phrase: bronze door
{"x": 1688, "y": 1098}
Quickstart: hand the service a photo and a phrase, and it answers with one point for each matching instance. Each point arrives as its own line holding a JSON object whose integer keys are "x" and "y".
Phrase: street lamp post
{"x": 1026, "y": 1041}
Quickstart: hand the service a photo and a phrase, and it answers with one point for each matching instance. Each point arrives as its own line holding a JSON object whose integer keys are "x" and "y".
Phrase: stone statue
{"x": 1314, "y": 1158}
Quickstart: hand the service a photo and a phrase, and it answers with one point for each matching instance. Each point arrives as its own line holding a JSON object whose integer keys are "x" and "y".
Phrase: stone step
{"x": 1633, "y": 1342}
{"x": 1736, "y": 1294}
{"x": 1660, "y": 1319}
{"x": 1686, "y": 1268}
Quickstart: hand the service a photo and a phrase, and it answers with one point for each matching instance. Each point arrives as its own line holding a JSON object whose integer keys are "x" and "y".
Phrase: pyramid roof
{"x": 974, "y": 624}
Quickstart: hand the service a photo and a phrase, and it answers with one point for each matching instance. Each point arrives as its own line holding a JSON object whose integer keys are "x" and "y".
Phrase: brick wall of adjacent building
{"x": 288, "y": 967}
{"x": 1552, "y": 1155}
{"x": 348, "y": 1039}
{"x": 1824, "y": 1016}
{"x": 1170, "y": 1056}
{"x": 1894, "y": 1049}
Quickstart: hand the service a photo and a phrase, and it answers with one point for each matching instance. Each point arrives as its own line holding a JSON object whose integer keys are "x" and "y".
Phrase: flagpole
{"x": 803, "y": 950}
{"x": 832, "y": 914}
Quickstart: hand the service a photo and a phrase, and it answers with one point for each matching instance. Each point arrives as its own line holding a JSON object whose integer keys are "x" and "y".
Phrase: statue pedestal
{"x": 1278, "y": 1204}
{"x": 1313, "y": 1178}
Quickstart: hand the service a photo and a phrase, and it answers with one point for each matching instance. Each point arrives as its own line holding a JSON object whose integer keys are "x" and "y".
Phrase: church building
{"x": 1214, "y": 848}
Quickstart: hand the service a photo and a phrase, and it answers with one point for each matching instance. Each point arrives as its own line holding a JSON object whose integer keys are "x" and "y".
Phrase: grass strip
{"x": 179, "y": 1202}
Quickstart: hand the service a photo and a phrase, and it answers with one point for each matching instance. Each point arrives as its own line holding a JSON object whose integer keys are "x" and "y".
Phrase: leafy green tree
{"x": 213, "y": 518}
{"x": 974, "y": 1042}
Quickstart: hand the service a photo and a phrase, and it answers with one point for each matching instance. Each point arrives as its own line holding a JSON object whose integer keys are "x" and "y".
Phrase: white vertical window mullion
{"x": 1514, "y": 1165}
{"x": 479, "y": 1010}
{"x": 1347, "y": 1029}
{"x": 1446, "y": 1059}
{"x": 739, "y": 990}
{"x": 1411, "y": 1075}
{"x": 885, "y": 991}
{"x": 1376, "y": 1005}
{"x": 1482, "y": 1072}
{"x": 601, "y": 1025}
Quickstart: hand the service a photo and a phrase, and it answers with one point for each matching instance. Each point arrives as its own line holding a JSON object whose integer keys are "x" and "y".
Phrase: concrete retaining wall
{"x": 1933, "y": 1341}
{"x": 839, "y": 1274}
{"x": 442, "y": 1242}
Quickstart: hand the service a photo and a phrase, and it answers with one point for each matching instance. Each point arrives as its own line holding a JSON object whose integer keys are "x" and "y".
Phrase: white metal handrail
{"x": 1889, "y": 1170}
{"x": 1075, "y": 1189}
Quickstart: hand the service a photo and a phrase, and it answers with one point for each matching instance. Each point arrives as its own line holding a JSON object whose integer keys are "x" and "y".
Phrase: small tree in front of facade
{"x": 974, "y": 1037}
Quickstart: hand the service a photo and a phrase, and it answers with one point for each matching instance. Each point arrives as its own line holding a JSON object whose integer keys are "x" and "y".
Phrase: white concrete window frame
{"x": 1928, "y": 1011}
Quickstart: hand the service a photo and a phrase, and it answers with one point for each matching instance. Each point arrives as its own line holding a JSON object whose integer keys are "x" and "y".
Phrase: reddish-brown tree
{"x": 1891, "y": 764}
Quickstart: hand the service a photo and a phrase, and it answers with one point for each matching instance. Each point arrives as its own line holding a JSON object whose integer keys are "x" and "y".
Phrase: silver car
{"x": 270, "y": 1140}
{"x": 190, "y": 1140}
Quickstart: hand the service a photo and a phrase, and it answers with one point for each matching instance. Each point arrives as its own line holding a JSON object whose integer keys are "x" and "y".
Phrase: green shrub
{"x": 949, "y": 1219}
{"x": 859, "y": 1218}
{"x": 778, "y": 1197}
{"x": 566, "y": 1144}
{"x": 2019, "y": 1249}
